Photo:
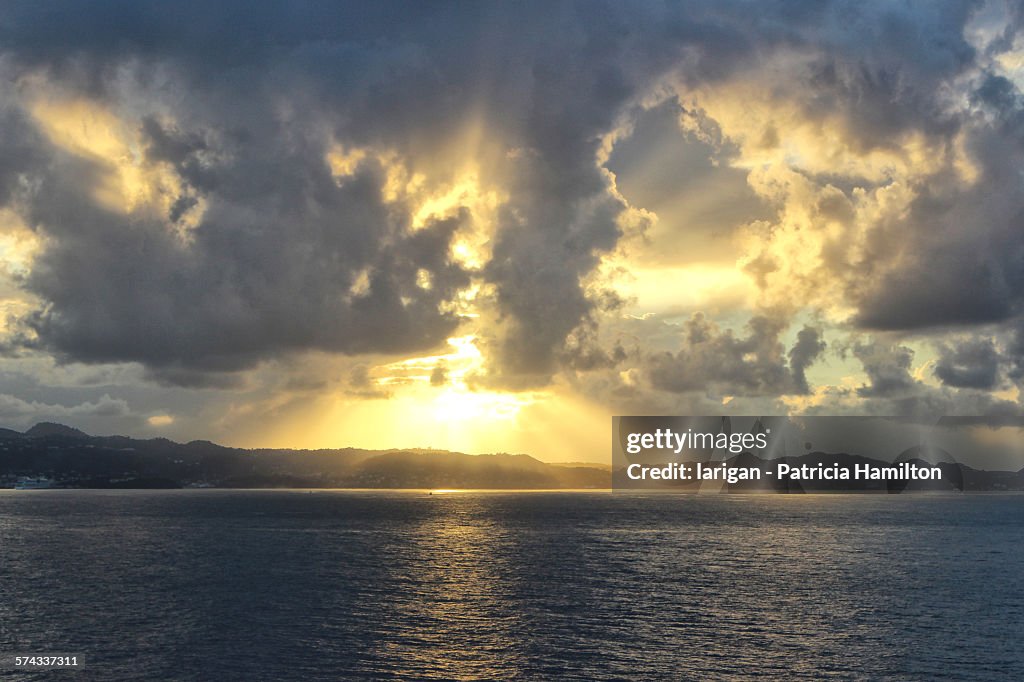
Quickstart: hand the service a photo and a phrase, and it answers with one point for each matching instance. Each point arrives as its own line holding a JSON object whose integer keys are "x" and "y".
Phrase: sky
{"x": 490, "y": 227}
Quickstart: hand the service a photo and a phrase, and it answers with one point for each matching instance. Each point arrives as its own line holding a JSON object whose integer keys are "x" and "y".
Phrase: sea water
{"x": 338, "y": 585}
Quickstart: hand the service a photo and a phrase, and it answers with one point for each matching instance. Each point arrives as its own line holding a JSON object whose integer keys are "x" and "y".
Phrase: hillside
{"x": 70, "y": 458}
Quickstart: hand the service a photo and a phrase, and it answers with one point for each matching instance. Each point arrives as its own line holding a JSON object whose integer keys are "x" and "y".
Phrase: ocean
{"x": 350, "y": 585}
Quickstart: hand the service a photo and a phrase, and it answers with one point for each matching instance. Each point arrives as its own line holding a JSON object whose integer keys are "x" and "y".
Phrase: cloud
{"x": 808, "y": 347}
{"x": 362, "y": 385}
{"x": 716, "y": 359}
{"x": 265, "y": 271}
{"x": 959, "y": 261}
{"x": 913, "y": 140}
{"x": 887, "y": 368}
{"x": 974, "y": 363}
{"x": 210, "y": 232}
{"x": 305, "y": 182}
{"x": 439, "y": 375}
{"x": 14, "y": 409}
{"x": 160, "y": 420}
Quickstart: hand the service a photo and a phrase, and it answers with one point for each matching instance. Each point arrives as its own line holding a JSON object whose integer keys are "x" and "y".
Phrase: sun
{"x": 458, "y": 404}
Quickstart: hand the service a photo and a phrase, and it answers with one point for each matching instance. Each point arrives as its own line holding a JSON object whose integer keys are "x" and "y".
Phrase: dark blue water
{"x": 219, "y": 585}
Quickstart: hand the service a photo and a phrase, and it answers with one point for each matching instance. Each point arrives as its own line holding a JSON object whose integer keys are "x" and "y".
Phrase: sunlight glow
{"x": 127, "y": 181}
{"x": 677, "y": 290}
{"x": 18, "y": 244}
{"x": 460, "y": 405}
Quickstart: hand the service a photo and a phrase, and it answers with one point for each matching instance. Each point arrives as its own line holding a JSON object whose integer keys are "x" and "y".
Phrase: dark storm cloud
{"x": 269, "y": 269}
{"x": 21, "y": 155}
{"x": 808, "y": 347}
{"x": 754, "y": 364}
{"x": 883, "y": 66}
{"x": 187, "y": 377}
{"x": 281, "y": 242}
{"x": 885, "y": 72}
{"x": 962, "y": 256}
{"x": 258, "y": 92}
{"x": 970, "y": 364}
{"x": 887, "y": 368}
{"x": 1014, "y": 352}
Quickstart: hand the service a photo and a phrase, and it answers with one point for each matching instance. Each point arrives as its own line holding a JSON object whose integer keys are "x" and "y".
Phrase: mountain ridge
{"x": 73, "y": 458}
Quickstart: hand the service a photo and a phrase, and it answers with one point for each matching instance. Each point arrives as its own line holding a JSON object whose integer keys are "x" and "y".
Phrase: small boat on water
{"x": 33, "y": 483}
